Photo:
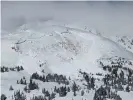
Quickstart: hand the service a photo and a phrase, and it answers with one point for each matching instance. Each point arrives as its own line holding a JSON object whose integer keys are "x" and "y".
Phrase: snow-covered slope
{"x": 60, "y": 48}
{"x": 82, "y": 55}
{"x": 124, "y": 41}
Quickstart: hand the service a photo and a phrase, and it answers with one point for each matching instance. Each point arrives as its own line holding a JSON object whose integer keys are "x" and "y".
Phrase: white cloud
{"x": 107, "y": 17}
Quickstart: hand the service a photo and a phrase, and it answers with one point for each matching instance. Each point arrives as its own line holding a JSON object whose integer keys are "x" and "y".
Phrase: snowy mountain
{"x": 74, "y": 59}
{"x": 124, "y": 41}
{"x": 55, "y": 46}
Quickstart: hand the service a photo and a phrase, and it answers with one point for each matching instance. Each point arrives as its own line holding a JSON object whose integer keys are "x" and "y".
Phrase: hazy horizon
{"x": 110, "y": 18}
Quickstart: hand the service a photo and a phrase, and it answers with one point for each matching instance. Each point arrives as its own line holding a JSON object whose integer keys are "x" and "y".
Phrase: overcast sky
{"x": 107, "y": 17}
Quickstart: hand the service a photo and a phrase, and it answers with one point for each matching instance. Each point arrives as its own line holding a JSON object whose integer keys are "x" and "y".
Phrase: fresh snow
{"x": 65, "y": 49}
{"x": 58, "y": 48}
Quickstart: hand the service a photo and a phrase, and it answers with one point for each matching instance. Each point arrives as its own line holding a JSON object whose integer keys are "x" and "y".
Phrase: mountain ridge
{"x": 65, "y": 45}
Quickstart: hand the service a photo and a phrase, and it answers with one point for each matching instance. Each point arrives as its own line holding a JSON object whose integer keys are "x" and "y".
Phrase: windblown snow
{"x": 58, "y": 48}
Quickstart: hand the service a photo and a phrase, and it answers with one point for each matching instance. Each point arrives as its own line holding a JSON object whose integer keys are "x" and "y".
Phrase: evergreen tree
{"x": 25, "y": 82}
{"x": 18, "y": 69}
{"x": 47, "y": 94}
{"x": 127, "y": 88}
{"x": 21, "y": 68}
{"x": 6, "y": 69}
{"x": 74, "y": 88}
{"x": 43, "y": 90}
{"x": 92, "y": 83}
{"x": 82, "y": 93}
{"x": 52, "y": 96}
{"x": 55, "y": 89}
{"x": 32, "y": 85}
{"x": 17, "y": 82}
{"x": 19, "y": 95}
{"x": 68, "y": 89}
{"x": 3, "y": 97}
{"x": 21, "y": 81}
{"x": 2, "y": 69}
{"x": 100, "y": 94}
{"x": 11, "y": 88}
{"x": 62, "y": 91}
